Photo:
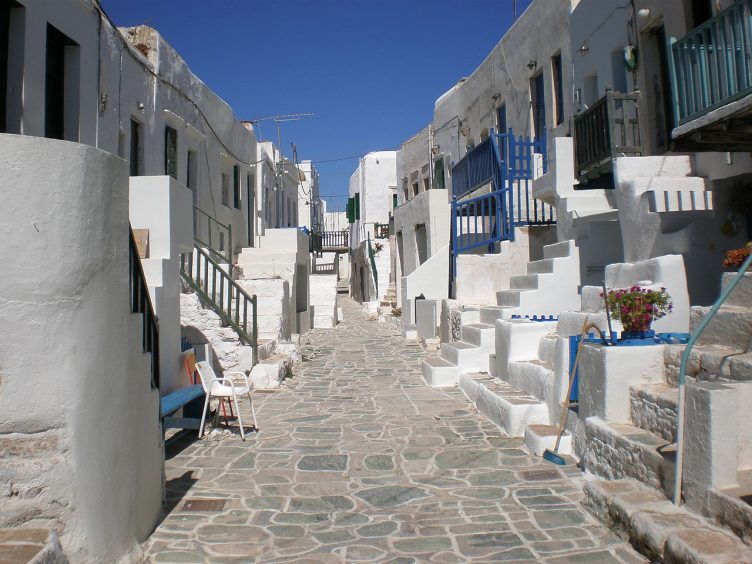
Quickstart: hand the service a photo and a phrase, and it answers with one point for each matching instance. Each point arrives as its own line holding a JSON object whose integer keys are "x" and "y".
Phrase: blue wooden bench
{"x": 170, "y": 403}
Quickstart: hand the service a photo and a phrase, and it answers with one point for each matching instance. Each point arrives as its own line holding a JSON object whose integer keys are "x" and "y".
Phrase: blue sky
{"x": 370, "y": 71}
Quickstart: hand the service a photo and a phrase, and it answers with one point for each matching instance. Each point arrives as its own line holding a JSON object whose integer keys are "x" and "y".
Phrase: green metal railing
{"x": 710, "y": 66}
{"x": 681, "y": 408}
{"x": 228, "y": 300}
{"x": 214, "y": 235}
{"x": 608, "y": 129}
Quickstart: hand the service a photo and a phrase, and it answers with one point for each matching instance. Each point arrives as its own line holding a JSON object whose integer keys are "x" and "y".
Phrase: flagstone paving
{"x": 357, "y": 460}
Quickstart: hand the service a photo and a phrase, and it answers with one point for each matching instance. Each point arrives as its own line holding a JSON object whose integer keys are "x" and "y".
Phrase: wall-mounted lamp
{"x": 532, "y": 64}
{"x": 465, "y": 130}
{"x": 103, "y": 102}
{"x": 496, "y": 97}
{"x": 435, "y": 150}
{"x": 583, "y": 50}
{"x": 643, "y": 14}
{"x": 140, "y": 106}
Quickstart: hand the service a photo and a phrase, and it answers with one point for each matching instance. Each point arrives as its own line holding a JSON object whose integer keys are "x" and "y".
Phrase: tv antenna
{"x": 280, "y": 119}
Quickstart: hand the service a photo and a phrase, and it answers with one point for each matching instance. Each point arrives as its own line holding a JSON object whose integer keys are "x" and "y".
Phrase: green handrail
{"x": 213, "y": 223}
{"x": 225, "y": 297}
{"x": 680, "y": 416}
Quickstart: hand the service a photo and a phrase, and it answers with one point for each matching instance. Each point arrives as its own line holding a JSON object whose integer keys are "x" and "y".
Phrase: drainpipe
{"x": 681, "y": 415}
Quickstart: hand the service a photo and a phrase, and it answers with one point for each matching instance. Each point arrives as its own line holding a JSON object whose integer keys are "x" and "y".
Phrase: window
{"x": 438, "y": 173}
{"x": 538, "y": 105}
{"x": 426, "y": 184}
{"x": 395, "y": 203}
{"x": 416, "y": 189}
{"x": 191, "y": 176}
{"x": 135, "y": 148}
{"x": 501, "y": 124}
{"x": 556, "y": 73}
{"x": 61, "y": 87}
{"x": 236, "y": 186}
{"x": 421, "y": 242}
{"x": 225, "y": 189}
{"x": 5, "y": 9}
{"x": 405, "y": 190}
{"x": 171, "y": 152}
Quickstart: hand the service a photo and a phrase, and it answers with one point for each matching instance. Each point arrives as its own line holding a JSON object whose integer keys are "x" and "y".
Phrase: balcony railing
{"x": 334, "y": 240}
{"x": 609, "y": 128}
{"x": 711, "y": 65}
{"x": 475, "y": 169}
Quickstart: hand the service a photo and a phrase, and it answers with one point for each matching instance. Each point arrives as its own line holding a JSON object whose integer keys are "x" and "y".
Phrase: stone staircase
{"x": 390, "y": 297}
{"x": 550, "y": 282}
{"x": 717, "y": 476}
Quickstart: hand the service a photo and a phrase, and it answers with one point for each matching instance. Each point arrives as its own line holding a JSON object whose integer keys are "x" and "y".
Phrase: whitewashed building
{"x": 373, "y": 187}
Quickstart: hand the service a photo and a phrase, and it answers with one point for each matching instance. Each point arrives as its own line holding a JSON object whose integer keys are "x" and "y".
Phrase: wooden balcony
{"x": 608, "y": 129}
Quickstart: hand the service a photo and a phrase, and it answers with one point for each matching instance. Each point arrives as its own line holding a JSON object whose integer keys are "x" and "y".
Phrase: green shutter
{"x": 350, "y": 210}
{"x": 357, "y": 205}
{"x": 395, "y": 202}
{"x": 171, "y": 152}
{"x": 438, "y": 173}
{"x": 236, "y": 185}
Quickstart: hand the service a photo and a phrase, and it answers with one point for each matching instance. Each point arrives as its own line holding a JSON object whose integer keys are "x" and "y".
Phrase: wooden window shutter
{"x": 171, "y": 152}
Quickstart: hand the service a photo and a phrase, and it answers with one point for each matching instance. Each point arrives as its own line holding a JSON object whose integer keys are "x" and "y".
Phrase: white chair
{"x": 223, "y": 389}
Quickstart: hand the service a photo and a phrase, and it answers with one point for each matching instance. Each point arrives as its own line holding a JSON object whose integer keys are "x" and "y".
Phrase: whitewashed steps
{"x": 439, "y": 373}
{"x": 509, "y": 409}
{"x": 481, "y": 335}
{"x": 465, "y": 356}
{"x": 539, "y": 437}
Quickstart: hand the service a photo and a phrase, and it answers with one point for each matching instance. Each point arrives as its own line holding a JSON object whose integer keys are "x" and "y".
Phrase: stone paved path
{"x": 357, "y": 460}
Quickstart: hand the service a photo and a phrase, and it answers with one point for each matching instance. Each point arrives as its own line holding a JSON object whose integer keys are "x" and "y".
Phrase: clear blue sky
{"x": 370, "y": 71}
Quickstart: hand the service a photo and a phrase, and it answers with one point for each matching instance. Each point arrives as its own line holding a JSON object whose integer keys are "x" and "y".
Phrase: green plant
{"x": 396, "y": 311}
{"x": 638, "y": 307}
{"x": 377, "y": 248}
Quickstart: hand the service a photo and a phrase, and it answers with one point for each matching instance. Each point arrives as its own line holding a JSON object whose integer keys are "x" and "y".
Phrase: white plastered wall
{"x": 75, "y": 383}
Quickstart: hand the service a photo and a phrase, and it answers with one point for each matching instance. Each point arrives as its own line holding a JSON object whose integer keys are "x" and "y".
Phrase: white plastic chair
{"x": 223, "y": 389}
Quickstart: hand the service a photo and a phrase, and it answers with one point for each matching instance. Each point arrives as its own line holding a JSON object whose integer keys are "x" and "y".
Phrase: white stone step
{"x": 524, "y": 282}
{"x": 467, "y": 357}
{"x": 653, "y": 408}
{"x": 731, "y": 326}
{"x": 508, "y": 298}
{"x": 489, "y": 314}
{"x": 539, "y": 437}
{"x": 660, "y": 530}
{"x": 659, "y": 166}
{"x": 547, "y": 349}
{"x": 410, "y": 332}
{"x": 742, "y": 294}
{"x": 439, "y": 373}
{"x": 707, "y": 363}
{"x": 481, "y": 335}
{"x": 558, "y": 250}
{"x": 617, "y": 450}
{"x": 534, "y": 377}
{"x": 542, "y": 266}
{"x": 507, "y": 408}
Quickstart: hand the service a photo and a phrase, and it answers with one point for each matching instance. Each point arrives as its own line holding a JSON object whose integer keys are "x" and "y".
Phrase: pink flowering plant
{"x": 638, "y": 307}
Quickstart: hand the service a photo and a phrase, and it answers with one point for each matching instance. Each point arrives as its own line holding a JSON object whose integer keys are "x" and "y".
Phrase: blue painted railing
{"x": 710, "y": 66}
{"x": 508, "y": 164}
{"x": 475, "y": 169}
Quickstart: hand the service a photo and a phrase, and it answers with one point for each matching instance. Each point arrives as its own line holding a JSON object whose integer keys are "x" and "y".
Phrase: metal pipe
{"x": 680, "y": 416}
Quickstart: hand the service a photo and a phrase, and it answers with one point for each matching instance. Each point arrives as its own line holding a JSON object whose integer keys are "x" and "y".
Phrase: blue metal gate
{"x": 507, "y": 163}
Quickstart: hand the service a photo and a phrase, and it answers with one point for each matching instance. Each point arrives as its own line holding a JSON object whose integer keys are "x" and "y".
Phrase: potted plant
{"x": 377, "y": 247}
{"x": 735, "y": 257}
{"x": 636, "y": 308}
